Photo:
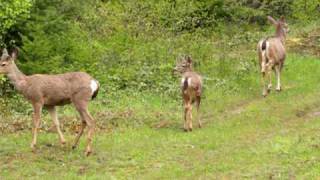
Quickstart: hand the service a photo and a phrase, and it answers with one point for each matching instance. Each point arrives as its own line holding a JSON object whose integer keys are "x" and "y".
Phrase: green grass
{"x": 244, "y": 136}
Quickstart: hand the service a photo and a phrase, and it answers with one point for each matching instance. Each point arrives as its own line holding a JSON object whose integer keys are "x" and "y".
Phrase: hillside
{"x": 131, "y": 48}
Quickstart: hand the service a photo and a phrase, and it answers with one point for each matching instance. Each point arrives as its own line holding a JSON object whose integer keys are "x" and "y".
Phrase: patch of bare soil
{"x": 309, "y": 112}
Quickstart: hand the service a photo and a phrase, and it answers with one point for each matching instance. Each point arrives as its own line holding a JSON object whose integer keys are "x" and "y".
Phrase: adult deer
{"x": 50, "y": 91}
{"x": 272, "y": 54}
{"x": 191, "y": 87}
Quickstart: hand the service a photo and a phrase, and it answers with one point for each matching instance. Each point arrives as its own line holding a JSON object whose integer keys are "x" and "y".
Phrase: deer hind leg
{"x": 37, "y": 107}
{"x": 198, "y": 101}
{"x": 278, "y": 74}
{"x": 267, "y": 76}
{"x": 190, "y": 116}
{"x": 269, "y": 79}
{"x": 83, "y": 126}
{"x": 53, "y": 113}
{"x": 185, "y": 117}
{"x": 185, "y": 113}
{"x": 264, "y": 87}
{"x": 82, "y": 108}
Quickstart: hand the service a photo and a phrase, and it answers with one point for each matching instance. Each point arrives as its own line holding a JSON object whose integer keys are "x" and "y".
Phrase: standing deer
{"x": 191, "y": 87}
{"x": 49, "y": 91}
{"x": 272, "y": 54}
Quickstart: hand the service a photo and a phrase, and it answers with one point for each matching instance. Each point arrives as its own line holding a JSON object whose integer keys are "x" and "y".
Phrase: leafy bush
{"x": 132, "y": 45}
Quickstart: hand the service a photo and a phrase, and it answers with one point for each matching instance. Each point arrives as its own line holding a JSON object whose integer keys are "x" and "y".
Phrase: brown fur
{"x": 53, "y": 90}
{"x": 191, "y": 87}
{"x": 272, "y": 54}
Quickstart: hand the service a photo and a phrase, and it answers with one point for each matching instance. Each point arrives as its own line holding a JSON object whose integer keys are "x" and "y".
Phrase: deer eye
{"x": 3, "y": 64}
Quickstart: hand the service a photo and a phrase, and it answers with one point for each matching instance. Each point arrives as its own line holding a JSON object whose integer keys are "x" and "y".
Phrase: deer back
{"x": 57, "y": 89}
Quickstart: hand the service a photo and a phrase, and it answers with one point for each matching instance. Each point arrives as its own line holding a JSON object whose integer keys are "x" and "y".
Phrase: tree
{"x": 11, "y": 13}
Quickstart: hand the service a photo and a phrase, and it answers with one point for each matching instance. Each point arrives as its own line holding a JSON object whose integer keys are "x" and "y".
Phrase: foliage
{"x": 11, "y": 13}
{"x": 132, "y": 45}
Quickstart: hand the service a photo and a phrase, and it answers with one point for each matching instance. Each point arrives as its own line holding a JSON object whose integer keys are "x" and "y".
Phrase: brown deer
{"x": 272, "y": 54}
{"x": 49, "y": 91}
{"x": 191, "y": 87}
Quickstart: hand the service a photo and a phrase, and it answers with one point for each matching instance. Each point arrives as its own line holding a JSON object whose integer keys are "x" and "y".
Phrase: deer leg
{"x": 190, "y": 116}
{"x": 185, "y": 126}
{"x": 53, "y": 113}
{"x": 270, "y": 81}
{"x": 83, "y": 125}
{"x": 91, "y": 125}
{"x": 37, "y": 107}
{"x": 269, "y": 71}
{"x": 278, "y": 74}
{"x": 198, "y": 100}
{"x": 82, "y": 107}
{"x": 264, "y": 88}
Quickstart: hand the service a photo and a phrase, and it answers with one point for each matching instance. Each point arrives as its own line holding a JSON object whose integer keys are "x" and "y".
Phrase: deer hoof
{"x": 278, "y": 89}
{"x": 200, "y": 125}
{"x": 88, "y": 152}
{"x": 33, "y": 146}
{"x": 268, "y": 91}
{"x": 63, "y": 141}
{"x": 74, "y": 147}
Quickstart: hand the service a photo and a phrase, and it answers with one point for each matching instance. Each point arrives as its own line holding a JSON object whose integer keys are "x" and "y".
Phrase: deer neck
{"x": 17, "y": 78}
{"x": 281, "y": 35}
{"x": 187, "y": 70}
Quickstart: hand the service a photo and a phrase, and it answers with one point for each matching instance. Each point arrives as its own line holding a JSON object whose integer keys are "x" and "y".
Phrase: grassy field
{"x": 141, "y": 137}
{"x": 248, "y": 136}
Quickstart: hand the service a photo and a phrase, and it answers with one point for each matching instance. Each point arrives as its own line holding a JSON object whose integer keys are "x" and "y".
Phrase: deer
{"x": 49, "y": 91}
{"x": 272, "y": 54}
{"x": 191, "y": 90}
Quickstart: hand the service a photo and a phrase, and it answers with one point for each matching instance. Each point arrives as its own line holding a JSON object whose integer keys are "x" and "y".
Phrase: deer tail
{"x": 96, "y": 91}
{"x": 264, "y": 49}
{"x": 185, "y": 83}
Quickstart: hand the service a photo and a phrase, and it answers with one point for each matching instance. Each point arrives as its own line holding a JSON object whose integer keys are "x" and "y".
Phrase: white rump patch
{"x": 93, "y": 86}
{"x": 189, "y": 82}
{"x": 182, "y": 80}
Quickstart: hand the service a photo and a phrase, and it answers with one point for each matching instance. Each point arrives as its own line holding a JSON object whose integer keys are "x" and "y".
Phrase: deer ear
{"x": 14, "y": 53}
{"x": 272, "y": 21}
{"x": 5, "y": 52}
{"x": 282, "y": 19}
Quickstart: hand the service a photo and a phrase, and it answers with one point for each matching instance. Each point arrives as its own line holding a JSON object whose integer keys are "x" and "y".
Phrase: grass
{"x": 140, "y": 136}
{"x": 244, "y": 136}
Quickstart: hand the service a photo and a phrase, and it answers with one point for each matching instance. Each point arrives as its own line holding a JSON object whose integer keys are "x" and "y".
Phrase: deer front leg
{"x": 198, "y": 100}
{"x": 278, "y": 74}
{"x": 36, "y": 123}
{"x": 53, "y": 114}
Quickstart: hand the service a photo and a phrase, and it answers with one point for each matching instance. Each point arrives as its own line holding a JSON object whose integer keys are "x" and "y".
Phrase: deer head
{"x": 281, "y": 26}
{"x": 184, "y": 65}
{"x": 7, "y": 61}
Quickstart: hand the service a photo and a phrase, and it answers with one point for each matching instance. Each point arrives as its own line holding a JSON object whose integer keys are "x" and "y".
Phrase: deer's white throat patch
{"x": 93, "y": 86}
